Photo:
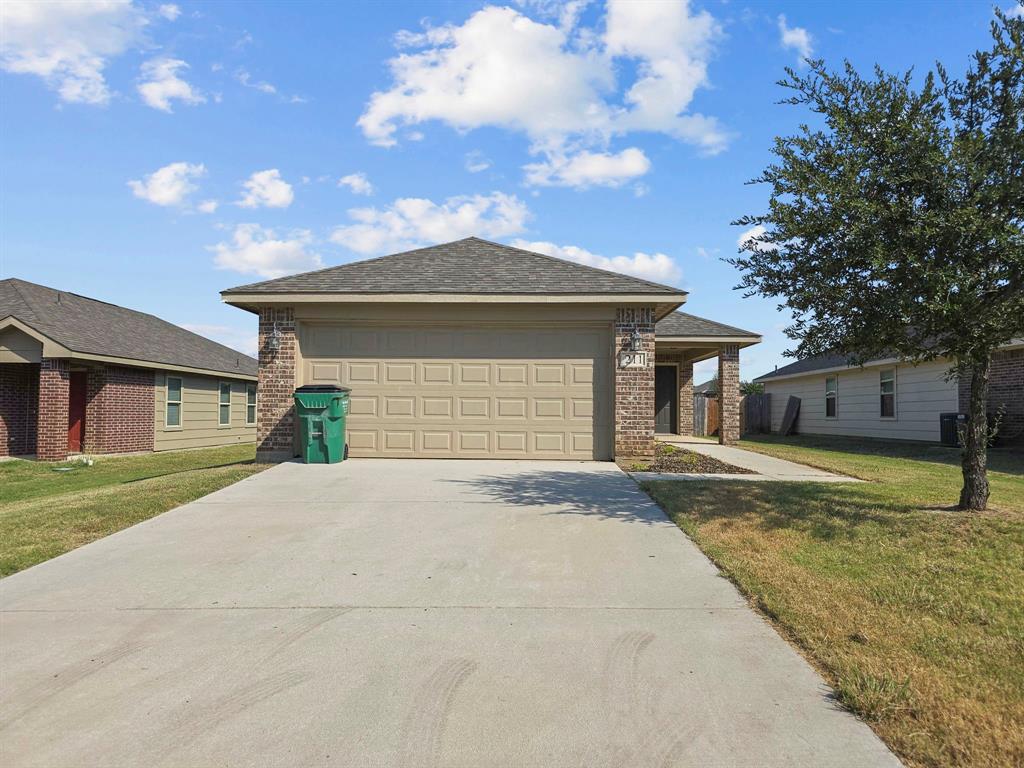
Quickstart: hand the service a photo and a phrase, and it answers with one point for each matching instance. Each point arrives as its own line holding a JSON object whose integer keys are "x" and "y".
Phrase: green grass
{"x": 45, "y": 512}
{"x": 912, "y": 612}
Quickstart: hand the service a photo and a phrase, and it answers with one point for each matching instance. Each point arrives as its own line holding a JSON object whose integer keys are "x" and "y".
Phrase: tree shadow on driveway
{"x": 609, "y": 495}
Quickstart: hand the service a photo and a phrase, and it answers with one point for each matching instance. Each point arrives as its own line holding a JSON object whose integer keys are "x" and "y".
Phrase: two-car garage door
{"x": 459, "y": 392}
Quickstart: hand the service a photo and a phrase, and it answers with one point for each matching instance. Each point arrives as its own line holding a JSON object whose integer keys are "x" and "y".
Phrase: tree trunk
{"x": 974, "y": 455}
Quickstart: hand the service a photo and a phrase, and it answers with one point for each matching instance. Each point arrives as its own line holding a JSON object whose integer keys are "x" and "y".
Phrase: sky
{"x": 153, "y": 154}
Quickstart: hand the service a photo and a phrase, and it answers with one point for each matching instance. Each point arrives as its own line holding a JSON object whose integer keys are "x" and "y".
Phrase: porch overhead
{"x": 690, "y": 338}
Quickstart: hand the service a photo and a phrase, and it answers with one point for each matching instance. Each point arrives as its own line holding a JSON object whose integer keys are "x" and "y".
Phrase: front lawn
{"x": 45, "y": 512}
{"x": 912, "y": 612}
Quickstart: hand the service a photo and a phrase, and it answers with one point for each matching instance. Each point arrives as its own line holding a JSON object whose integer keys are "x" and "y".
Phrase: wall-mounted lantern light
{"x": 636, "y": 341}
{"x": 274, "y": 339}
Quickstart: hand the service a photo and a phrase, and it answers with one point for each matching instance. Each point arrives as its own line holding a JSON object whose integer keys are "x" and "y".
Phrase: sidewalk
{"x": 768, "y": 468}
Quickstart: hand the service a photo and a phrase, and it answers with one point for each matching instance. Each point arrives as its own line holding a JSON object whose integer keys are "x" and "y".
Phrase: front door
{"x": 76, "y": 410}
{"x": 666, "y": 399}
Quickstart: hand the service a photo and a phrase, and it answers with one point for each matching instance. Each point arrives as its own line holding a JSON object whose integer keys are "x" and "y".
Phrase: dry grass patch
{"x": 915, "y": 617}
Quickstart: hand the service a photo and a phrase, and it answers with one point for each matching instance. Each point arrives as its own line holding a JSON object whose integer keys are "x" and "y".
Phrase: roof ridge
{"x": 346, "y": 264}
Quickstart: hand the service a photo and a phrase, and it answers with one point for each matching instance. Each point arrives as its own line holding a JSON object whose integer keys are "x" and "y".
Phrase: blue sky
{"x": 155, "y": 153}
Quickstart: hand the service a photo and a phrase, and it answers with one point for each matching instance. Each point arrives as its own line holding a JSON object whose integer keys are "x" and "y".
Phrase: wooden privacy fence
{"x": 755, "y": 415}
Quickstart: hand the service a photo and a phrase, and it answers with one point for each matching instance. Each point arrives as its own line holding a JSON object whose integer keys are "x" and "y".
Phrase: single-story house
{"x": 892, "y": 398}
{"x": 473, "y": 349}
{"x": 79, "y": 375}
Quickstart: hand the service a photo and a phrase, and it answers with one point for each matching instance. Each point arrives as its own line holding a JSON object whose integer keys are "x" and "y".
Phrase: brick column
{"x": 729, "y": 393}
{"x": 634, "y": 387}
{"x": 52, "y": 439}
{"x": 275, "y": 420}
{"x": 685, "y": 397}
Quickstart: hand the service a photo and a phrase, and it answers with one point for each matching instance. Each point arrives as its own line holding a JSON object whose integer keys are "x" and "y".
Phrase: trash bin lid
{"x": 323, "y": 388}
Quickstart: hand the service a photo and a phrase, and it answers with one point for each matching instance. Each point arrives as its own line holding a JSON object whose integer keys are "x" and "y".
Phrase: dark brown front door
{"x": 666, "y": 398}
{"x": 76, "y": 411}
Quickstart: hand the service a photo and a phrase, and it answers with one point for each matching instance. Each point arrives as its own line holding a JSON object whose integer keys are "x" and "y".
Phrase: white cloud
{"x": 169, "y": 11}
{"x": 588, "y": 169}
{"x": 357, "y": 182}
{"x": 207, "y": 206}
{"x": 650, "y": 266}
{"x": 257, "y": 250}
{"x": 1015, "y": 11}
{"x": 797, "y": 38}
{"x": 68, "y": 44}
{"x": 555, "y": 84}
{"x": 410, "y": 222}
{"x": 160, "y": 84}
{"x": 170, "y": 185}
{"x": 267, "y": 188}
{"x": 240, "y": 340}
{"x": 476, "y": 162}
{"x": 755, "y": 237}
{"x": 245, "y": 79}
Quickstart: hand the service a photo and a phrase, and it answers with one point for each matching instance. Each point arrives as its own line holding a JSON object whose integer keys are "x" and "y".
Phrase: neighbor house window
{"x": 887, "y": 393}
{"x": 172, "y": 418}
{"x": 250, "y": 403}
{"x": 225, "y": 403}
{"x": 831, "y": 396}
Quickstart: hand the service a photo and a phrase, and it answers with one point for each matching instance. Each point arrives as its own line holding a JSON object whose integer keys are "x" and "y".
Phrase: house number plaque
{"x": 631, "y": 359}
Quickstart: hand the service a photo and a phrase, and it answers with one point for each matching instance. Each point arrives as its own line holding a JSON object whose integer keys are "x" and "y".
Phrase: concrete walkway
{"x": 768, "y": 468}
{"x": 406, "y": 613}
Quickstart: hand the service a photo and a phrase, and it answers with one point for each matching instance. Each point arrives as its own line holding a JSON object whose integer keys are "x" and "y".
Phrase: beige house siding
{"x": 922, "y": 393}
{"x": 200, "y": 426}
{"x": 16, "y": 346}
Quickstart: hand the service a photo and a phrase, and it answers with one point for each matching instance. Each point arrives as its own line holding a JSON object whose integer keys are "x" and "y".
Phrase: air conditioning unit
{"x": 949, "y": 428}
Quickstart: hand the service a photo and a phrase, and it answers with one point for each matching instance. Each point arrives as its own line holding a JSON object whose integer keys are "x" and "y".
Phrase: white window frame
{"x": 835, "y": 396}
{"x": 251, "y": 387}
{"x": 881, "y": 381}
{"x": 220, "y": 405}
{"x": 179, "y": 402}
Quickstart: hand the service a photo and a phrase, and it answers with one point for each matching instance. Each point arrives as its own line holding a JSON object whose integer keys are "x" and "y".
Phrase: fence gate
{"x": 756, "y": 414}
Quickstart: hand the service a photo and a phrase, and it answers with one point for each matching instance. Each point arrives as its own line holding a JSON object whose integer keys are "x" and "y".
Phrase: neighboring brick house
{"x": 892, "y": 398}
{"x": 473, "y": 349}
{"x": 79, "y": 375}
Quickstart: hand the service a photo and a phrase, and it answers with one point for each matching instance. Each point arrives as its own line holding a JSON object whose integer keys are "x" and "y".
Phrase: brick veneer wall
{"x": 634, "y": 387}
{"x": 52, "y": 429}
{"x": 1005, "y": 392}
{"x": 275, "y": 421}
{"x": 119, "y": 409}
{"x": 19, "y": 403}
{"x": 729, "y": 393}
{"x": 685, "y": 397}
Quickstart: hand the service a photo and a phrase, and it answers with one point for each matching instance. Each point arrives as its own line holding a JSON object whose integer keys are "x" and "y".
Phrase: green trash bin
{"x": 321, "y": 410}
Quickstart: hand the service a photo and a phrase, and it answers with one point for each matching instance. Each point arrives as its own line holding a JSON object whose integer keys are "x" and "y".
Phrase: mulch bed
{"x": 669, "y": 458}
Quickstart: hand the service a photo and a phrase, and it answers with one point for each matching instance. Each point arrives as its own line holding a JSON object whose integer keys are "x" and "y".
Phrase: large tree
{"x": 895, "y": 225}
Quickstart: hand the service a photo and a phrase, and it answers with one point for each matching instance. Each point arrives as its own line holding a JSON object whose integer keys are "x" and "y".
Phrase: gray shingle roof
{"x": 95, "y": 327}
{"x": 469, "y": 266}
{"x": 808, "y": 365}
{"x": 683, "y": 324}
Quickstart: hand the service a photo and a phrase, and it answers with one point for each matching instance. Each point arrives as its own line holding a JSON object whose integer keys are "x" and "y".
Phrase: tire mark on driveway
{"x": 425, "y": 724}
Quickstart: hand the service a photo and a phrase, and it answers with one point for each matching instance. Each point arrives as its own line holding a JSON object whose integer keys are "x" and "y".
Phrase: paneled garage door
{"x": 468, "y": 393}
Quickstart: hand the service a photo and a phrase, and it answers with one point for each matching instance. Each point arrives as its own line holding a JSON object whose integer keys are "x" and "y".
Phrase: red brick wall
{"x": 275, "y": 420}
{"x": 19, "y": 401}
{"x": 119, "y": 410}
{"x": 634, "y": 387}
{"x": 685, "y": 398}
{"x": 1005, "y": 393}
{"x": 729, "y": 393}
{"x": 52, "y": 433}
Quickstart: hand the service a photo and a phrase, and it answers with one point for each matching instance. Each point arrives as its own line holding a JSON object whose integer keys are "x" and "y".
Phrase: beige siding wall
{"x": 922, "y": 393}
{"x": 16, "y": 346}
{"x": 200, "y": 426}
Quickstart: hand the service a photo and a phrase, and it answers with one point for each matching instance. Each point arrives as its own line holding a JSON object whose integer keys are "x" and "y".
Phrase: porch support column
{"x": 729, "y": 393}
{"x": 275, "y": 418}
{"x": 54, "y": 386}
{"x": 634, "y": 386}
{"x": 685, "y": 397}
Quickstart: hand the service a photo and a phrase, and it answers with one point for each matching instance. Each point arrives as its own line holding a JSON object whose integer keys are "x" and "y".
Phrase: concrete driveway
{"x": 406, "y": 613}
